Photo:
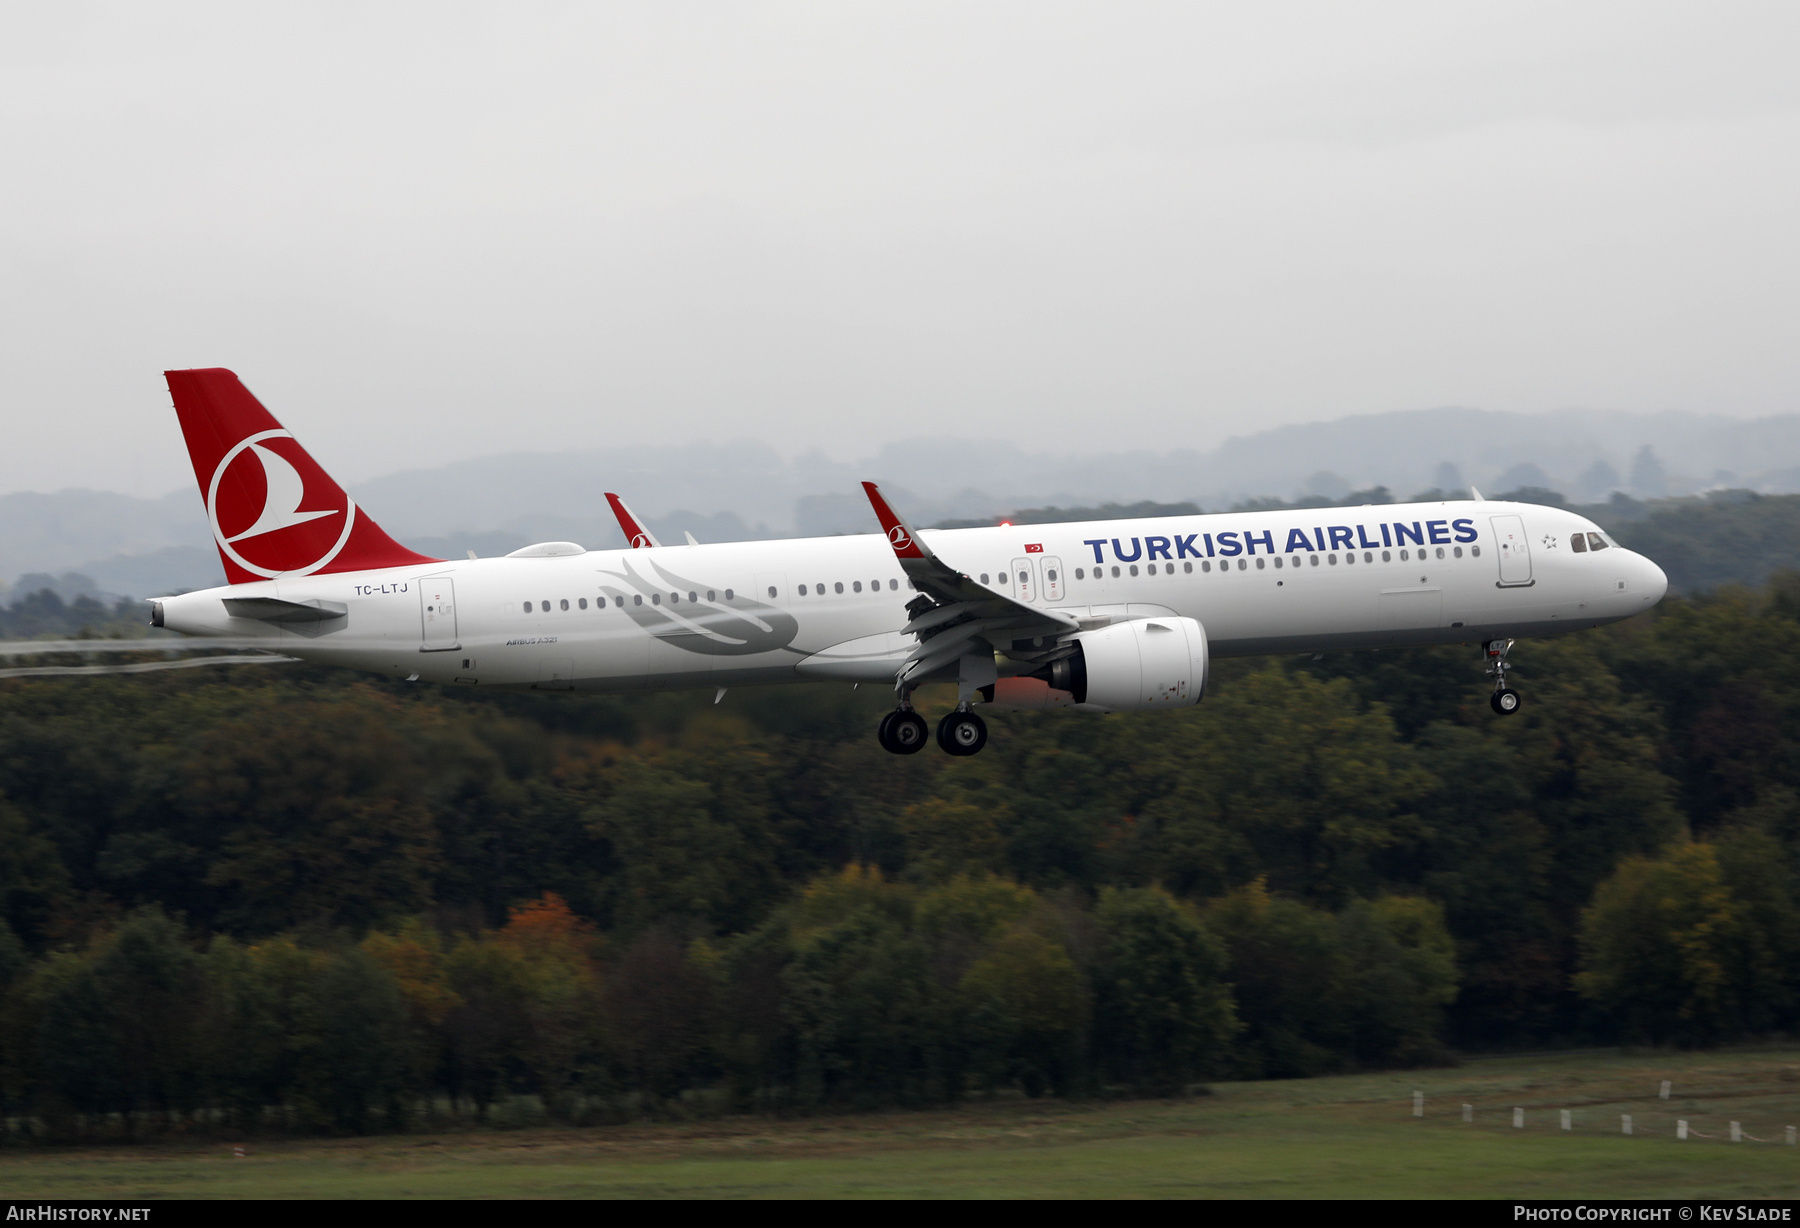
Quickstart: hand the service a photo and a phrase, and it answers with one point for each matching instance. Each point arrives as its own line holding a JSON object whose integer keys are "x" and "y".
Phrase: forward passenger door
{"x": 1513, "y": 549}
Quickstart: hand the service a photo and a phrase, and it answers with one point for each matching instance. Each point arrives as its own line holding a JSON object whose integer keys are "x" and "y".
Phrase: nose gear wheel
{"x": 1505, "y": 701}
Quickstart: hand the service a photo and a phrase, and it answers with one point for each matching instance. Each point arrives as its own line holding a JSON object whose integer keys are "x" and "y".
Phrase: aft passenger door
{"x": 1514, "y": 551}
{"x": 437, "y": 614}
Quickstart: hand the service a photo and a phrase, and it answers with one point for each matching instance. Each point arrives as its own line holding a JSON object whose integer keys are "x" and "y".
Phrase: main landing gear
{"x": 903, "y": 732}
{"x": 962, "y": 733}
{"x": 1505, "y": 700}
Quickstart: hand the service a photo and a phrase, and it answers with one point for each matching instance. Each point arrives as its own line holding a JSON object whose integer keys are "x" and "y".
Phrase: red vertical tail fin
{"x": 273, "y": 510}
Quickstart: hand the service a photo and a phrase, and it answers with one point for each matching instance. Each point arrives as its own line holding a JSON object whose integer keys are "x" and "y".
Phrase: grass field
{"x": 1353, "y": 1136}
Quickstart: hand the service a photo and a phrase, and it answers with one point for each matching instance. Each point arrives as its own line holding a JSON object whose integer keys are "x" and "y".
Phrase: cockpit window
{"x": 1597, "y": 542}
{"x": 1578, "y": 543}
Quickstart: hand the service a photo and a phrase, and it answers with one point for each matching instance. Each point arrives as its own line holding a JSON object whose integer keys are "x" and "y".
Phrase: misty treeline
{"x": 293, "y": 898}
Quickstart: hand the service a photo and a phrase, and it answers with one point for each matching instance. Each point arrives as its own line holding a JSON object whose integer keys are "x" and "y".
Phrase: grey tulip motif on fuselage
{"x": 736, "y": 627}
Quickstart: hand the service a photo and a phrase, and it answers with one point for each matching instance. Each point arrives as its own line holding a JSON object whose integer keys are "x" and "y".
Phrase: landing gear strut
{"x": 962, "y": 733}
{"x": 1505, "y": 700}
{"x": 902, "y": 731}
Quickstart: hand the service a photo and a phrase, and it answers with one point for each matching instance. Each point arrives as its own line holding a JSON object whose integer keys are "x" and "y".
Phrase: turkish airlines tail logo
{"x": 272, "y": 509}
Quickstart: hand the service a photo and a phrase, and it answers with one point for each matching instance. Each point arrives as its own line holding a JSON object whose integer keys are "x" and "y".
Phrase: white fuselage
{"x": 745, "y": 613}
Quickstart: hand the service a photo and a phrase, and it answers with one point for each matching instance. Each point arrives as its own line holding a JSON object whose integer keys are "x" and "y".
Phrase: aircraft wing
{"x": 958, "y": 616}
{"x": 637, "y": 533}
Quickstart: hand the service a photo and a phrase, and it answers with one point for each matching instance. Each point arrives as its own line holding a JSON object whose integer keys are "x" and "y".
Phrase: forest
{"x": 281, "y": 898}
{"x": 297, "y": 899}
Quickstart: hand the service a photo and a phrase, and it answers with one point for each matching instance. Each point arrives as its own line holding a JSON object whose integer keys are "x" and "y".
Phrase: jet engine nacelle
{"x": 1136, "y": 666}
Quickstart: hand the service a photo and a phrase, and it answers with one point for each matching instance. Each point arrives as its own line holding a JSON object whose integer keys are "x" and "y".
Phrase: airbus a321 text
{"x": 1101, "y": 616}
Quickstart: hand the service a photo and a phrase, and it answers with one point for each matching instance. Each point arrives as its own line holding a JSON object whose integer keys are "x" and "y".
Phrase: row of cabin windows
{"x": 1243, "y": 564}
{"x": 856, "y": 586}
{"x": 581, "y": 603}
{"x": 1005, "y": 577}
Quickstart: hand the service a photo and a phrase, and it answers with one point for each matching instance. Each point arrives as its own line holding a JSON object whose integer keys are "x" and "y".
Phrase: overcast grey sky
{"x": 426, "y": 232}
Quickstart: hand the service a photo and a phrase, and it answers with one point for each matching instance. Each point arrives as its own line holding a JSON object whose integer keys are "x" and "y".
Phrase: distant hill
{"x": 744, "y": 490}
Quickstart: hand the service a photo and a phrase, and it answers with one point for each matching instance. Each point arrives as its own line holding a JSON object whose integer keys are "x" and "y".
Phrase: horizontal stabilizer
{"x": 275, "y": 610}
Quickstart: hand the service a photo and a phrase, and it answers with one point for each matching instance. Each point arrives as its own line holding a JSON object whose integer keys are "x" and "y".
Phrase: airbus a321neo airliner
{"x": 1099, "y": 616}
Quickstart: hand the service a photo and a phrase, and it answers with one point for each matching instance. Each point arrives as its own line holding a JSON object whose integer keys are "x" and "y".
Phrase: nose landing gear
{"x": 1504, "y": 700}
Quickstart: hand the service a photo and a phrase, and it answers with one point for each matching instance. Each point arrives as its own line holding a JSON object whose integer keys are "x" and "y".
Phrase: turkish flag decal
{"x": 1035, "y": 548}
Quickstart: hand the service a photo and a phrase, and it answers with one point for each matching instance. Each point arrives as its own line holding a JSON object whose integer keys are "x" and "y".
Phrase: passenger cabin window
{"x": 802, "y": 590}
{"x": 839, "y": 586}
{"x": 528, "y": 607}
{"x": 1596, "y": 542}
{"x": 582, "y": 603}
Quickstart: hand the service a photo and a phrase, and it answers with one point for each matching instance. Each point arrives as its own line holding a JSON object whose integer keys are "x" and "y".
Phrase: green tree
{"x": 486, "y": 1030}
{"x": 359, "y": 1063}
{"x": 34, "y": 884}
{"x": 1024, "y": 1000}
{"x": 1400, "y": 974}
{"x": 1163, "y": 1011}
{"x": 1288, "y": 975}
{"x": 325, "y": 809}
{"x": 241, "y": 1034}
{"x": 1280, "y": 775}
{"x": 1667, "y": 951}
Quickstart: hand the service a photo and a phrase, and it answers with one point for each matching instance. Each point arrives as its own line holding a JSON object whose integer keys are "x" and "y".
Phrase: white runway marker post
{"x": 1469, "y": 1115}
{"x": 1518, "y": 1118}
{"x": 1418, "y": 1104}
{"x": 1665, "y": 1089}
{"x": 1624, "y": 1123}
{"x": 1790, "y": 1136}
{"x": 1681, "y": 1128}
{"x": 1737, "y": 1132}
{"x": 1568, "y": 1120}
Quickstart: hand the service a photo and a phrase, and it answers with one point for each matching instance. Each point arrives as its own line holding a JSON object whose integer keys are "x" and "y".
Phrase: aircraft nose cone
{"x": 1656, "y": 580}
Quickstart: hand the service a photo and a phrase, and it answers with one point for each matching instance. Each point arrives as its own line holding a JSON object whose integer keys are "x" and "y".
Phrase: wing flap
{"x": 963, "y": 617}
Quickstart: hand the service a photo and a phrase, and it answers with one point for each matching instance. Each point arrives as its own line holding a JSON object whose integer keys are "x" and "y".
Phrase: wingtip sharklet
{"x": 637, "y": 533}
{"x": 900, "y": 535}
